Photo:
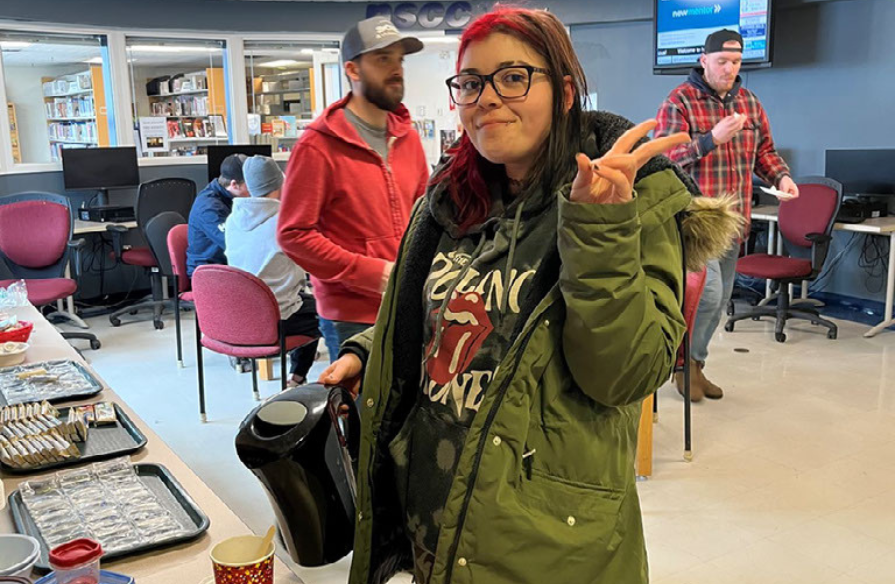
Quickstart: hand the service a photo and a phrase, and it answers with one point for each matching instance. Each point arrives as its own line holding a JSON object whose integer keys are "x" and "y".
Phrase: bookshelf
{"x": 285, "y": 102}
{"x": 14, "y": 133}
{"x": 195, "y": 106}
{"x": 75, "y": 110}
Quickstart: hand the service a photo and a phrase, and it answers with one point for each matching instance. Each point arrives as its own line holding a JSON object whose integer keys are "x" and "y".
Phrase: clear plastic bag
{"x": 16, "y": 294}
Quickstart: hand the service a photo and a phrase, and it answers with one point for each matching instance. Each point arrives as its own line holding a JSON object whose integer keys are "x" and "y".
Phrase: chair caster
{"x": 832, "y": 335}
{"x": 95, "y": 344}
{"x": 728, "y": 326}
{"x": 203, "y": 418}
{"x": 115, "y": 321}
{"x": 159, "y": 325}
{"x": 133, "y": 312}
{"x": 780, "y": 337}
{"x": 688, "y": 455}
{"x": 756, "y": 318}
{"x": 180, "y": 364}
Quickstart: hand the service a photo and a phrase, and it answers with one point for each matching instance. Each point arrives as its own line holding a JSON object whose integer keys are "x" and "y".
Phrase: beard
{"x": 386, "y": 96}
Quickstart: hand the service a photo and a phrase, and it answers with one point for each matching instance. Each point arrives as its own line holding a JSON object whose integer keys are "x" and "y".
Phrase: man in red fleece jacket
{"x": 351, "y": 182}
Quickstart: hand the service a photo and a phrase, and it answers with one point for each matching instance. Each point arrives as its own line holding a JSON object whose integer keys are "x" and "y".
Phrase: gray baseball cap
{"x": 373, "y": 34}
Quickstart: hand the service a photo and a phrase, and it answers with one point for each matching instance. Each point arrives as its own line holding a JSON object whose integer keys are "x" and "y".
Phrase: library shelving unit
{"x": 75, "y": 107}
{"x": 14, "y": 133}
{"x": 285, "y": 101}
{"x": 195, "y": 105}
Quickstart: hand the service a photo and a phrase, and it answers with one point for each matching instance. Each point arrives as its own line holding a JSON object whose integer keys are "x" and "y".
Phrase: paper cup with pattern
{"x": 238, "y": 561}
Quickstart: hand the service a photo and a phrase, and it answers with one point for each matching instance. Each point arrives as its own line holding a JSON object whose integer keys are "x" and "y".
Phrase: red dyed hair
{"x": 467, "y": 170}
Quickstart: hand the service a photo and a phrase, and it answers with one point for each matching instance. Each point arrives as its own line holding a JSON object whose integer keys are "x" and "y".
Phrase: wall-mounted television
{"x": 681, "y": 26}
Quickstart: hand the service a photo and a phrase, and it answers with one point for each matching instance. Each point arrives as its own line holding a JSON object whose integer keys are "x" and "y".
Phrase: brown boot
{"x": 709, "y": 389}
{"x": 697, "y": 390}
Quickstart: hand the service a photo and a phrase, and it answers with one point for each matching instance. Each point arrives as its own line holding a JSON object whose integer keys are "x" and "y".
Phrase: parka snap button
{"x": 496, "y": 441}
{"x": 547, "y": 322}
{"x": 370, "y": 402}
{"x": 461, "y": 562}
{"x": 360, "y": 516}
{"x": 571, "y": 521}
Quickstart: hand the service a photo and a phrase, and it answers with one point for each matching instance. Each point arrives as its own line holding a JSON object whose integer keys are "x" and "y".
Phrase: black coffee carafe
{"x": 297, "y": 445}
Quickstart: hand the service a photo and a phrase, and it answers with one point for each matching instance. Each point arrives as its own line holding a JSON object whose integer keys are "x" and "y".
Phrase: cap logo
{"x": 386, "y": 29}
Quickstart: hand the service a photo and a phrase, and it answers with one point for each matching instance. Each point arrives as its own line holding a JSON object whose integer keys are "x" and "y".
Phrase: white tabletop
{"x": 879, "y": 226}
{"x": 82, "y": 227}
{"x": 188, "y": 563}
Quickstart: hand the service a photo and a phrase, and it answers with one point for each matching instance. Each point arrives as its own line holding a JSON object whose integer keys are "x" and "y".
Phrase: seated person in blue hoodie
{"x": 251, "y": 243}
{"x": 210, "y": 211}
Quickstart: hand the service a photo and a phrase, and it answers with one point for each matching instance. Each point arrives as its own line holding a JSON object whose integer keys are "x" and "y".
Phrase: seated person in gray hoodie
{"x": 251, "y": 245}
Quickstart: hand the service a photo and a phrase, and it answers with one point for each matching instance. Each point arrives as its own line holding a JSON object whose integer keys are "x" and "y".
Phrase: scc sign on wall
{"x": 429, "y": 15}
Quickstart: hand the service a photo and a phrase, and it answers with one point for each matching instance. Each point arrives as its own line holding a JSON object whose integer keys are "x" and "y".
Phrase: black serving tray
{"x": 93, "y": 386}
{"x": 107, "y": 441}
{"x": 161, "y": 482}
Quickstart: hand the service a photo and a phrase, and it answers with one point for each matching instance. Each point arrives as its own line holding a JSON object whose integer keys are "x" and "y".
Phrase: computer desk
{"x": 83, "y": 228}
{"x": 884, "y": 226}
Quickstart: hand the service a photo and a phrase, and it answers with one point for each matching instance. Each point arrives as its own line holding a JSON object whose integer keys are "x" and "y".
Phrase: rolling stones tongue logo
{"x": 466, "y": 325}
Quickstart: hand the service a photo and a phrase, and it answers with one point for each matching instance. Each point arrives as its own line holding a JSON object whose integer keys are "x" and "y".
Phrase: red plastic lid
{"x": 75, "y": 553}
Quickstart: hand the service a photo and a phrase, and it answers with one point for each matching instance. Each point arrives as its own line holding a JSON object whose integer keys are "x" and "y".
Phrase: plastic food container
{"x": 12, "y": 353}
{"x": 19, "y": 334}
{"x": 18, "y": 554}
{"x": 77, "y": 562}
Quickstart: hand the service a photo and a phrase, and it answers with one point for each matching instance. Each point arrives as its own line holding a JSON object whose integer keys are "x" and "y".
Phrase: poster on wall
{"x": 154, "y": 134}
{"x": 254, "y": 124}
{"x": 448, "y": 137}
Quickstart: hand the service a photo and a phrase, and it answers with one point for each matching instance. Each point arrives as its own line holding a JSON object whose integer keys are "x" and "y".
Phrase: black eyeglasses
{"x": 508, "y": 82}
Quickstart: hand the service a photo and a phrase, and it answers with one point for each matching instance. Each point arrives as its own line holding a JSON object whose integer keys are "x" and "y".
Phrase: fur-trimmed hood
{"x": 709, "y": 226}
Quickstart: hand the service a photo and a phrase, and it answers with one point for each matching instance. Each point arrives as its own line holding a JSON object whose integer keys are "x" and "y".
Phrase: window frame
{"x": 122, "y": 94}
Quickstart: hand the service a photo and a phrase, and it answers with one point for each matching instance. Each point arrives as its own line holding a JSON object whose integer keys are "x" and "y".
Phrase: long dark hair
{"x": 468, "y": 169}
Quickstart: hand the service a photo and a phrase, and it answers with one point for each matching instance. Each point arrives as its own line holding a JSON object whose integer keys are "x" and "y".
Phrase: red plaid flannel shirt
{"x": 728, "y": 168}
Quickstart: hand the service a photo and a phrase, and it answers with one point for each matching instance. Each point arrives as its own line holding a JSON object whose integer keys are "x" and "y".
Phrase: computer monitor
{"x": 100, "y": 169}
{"x": 862, "y": 172}
{"x": 217, "y": 154}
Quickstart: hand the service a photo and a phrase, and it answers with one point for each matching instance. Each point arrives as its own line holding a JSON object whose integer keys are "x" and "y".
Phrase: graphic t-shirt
{"x": 472, "y": 303}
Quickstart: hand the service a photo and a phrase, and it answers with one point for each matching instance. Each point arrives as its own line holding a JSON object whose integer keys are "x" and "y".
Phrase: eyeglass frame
{"x": 490, "y": 79}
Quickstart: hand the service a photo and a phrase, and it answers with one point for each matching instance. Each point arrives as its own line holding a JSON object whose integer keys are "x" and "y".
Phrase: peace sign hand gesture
{"x": 609, "y": 180}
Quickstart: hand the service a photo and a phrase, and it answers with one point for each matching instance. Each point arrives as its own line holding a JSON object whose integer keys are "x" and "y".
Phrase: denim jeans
{"x": 336, "y": 332}
{"x": 720, "y": 276}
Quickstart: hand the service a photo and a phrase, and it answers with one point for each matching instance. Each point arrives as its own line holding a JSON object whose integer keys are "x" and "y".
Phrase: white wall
{"x": 25, "y": 89}
{"x": 426, "y": 95}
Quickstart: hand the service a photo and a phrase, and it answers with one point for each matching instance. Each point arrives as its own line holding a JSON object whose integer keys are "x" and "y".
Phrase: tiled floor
{"x": 793, "y": 479}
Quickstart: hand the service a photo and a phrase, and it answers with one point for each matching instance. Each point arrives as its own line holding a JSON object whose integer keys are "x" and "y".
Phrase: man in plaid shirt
{"x": 731, "y": 140}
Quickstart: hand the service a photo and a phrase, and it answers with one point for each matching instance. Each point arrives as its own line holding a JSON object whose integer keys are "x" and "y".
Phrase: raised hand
{"x": 609, "y": 179}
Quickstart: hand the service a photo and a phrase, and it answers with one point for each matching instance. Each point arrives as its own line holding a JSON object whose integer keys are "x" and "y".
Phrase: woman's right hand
{"x": 344, "y": 371}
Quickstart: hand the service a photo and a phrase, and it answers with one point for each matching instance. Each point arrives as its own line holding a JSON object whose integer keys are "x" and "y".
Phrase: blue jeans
{"x": 720, "y": 276}
{"x": 336, "y": 332}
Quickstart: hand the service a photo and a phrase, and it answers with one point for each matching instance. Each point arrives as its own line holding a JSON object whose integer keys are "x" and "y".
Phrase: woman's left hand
{"x": 609, "y": 180}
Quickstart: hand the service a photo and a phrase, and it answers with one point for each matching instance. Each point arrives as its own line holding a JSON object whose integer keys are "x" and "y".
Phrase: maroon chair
{"x": 805, "y": 224}
{"x": 692, "y": 295}
{"x": 183, "y": 292}
{"x": 237, "y": 315}
{"x": 35, "y": 241}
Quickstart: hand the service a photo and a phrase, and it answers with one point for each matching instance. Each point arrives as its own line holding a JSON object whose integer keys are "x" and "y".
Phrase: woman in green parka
{"x": 535, "y": 302}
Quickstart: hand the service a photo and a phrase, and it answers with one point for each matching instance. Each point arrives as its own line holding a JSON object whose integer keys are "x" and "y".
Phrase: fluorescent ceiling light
{"x": 307, "y": 51}
{"x": 171, "y": 49}
{"x": 14, "y": 44}
{"x": 280, "y": 63}
{"x": 94, "y": 61}
{"x": 444, "y": 40}
{"x": 332, "y": 50}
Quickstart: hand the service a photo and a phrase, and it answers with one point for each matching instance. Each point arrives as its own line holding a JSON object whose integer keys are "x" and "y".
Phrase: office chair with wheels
{"x": 158, "y": 233}
{"x": 805, "y": 225}
{"x": 35, "y": 242}
{"x": 153, "y": 197}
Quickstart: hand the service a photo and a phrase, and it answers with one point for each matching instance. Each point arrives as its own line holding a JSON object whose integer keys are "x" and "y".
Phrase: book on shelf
{"x": 71, "y": 107}
{"x": 278, "y": 128}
